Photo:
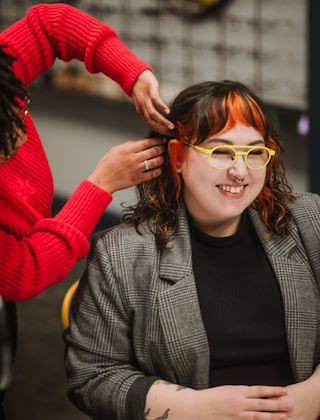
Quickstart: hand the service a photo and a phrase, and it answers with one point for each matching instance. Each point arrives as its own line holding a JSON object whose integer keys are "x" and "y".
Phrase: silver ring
{"x": 146, "y": 165}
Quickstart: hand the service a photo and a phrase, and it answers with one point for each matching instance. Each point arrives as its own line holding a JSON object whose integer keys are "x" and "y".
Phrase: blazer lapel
{"x": 299, "y": 293}
{"x": 179, "y": 312}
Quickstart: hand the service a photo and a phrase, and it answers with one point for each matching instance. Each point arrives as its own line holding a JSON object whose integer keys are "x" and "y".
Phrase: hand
{"x": 243, "y": 402}
{"x": 145, "y": 96}
{"x": 305, "y": 398}
{"x": 123, "y": 165}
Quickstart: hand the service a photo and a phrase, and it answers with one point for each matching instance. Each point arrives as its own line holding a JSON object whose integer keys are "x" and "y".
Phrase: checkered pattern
{"x": 136, "y": 311}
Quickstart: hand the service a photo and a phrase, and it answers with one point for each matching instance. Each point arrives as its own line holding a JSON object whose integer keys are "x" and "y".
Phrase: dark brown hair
{"x": 13, "y": 94}
{"x": 198, "y": 112}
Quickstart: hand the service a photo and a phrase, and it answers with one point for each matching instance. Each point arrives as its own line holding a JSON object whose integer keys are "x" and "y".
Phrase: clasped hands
{"x": 298, "y": 401}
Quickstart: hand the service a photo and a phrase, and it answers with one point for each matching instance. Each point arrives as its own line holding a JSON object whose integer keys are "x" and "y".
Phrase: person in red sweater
{"x": 37, "y": 251}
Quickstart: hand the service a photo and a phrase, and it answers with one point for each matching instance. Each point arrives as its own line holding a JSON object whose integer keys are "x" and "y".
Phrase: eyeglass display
{"x": 253, "y": 41}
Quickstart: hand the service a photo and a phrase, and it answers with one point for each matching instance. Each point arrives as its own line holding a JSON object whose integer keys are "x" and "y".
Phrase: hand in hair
{"x": 123, "y": 166}
{"x": 145, "y": 96}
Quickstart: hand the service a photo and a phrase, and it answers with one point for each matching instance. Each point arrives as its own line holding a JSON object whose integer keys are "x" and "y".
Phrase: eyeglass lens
{"x": 222, "y": 157}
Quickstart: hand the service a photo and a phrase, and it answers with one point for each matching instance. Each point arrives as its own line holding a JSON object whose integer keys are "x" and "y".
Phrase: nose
{"x": 239, "y": 168}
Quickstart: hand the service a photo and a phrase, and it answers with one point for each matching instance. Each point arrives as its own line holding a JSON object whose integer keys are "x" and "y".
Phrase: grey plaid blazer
{"x": 136, "y": 311}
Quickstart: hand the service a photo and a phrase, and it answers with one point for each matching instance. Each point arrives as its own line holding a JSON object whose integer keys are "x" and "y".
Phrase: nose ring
{"x": 237, "y": 180}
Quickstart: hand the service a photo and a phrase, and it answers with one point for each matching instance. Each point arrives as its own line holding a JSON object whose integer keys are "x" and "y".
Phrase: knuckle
{"x": 160, "y": 149}
{"x": 154, "y": 174}
{"x": 260, "y": 405}
{"x": 158, "y": 161}
{"x": 153, "y": 114}
{"x": 258, "y": 389}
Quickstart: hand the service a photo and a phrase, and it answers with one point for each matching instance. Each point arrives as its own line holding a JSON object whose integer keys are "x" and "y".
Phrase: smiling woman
{"x": 205, "y": 304}
{"x": 215, "y": 114}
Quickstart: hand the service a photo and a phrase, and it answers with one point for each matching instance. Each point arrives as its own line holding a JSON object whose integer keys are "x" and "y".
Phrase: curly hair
{"x": 200, "y": 111}
{"x": 13, "y": 94}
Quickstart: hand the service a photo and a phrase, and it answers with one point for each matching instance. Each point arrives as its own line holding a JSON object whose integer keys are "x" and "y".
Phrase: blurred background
{"x": 267, "y": 44}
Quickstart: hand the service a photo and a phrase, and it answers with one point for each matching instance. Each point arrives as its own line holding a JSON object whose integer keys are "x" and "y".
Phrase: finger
{"x": 260, "y": 391}
{"x": 149, "y": 175}
{"x": 145, "y": 144}
{"x": 158, "y": 102}
{"x": 160, "y": 128}
{"x": 153, "y": 163}
{"x": 153, "y": 115}
{"x": 152, "y": 152}
{"x": 250, "y": 415}
{"x": 270, "y": 405}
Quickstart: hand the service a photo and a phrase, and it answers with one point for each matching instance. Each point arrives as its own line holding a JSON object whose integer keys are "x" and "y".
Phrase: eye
{"x": 222, "y": 151}
{"x": 256, "y": 152}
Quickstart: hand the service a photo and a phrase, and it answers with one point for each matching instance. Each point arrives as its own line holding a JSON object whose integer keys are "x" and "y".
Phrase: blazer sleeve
{"x": 59, "y": 30}
{"x": 100, "y": 360}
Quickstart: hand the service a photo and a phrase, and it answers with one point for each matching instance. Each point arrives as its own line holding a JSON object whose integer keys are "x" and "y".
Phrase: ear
{"x": 175, "y": 149}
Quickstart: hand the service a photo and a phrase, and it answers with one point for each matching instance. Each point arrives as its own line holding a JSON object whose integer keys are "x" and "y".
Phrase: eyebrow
{"x": 225, "y": 141}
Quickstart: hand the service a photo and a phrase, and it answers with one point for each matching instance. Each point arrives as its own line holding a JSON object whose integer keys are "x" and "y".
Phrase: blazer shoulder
{"x": 305, "y": 206}
{"x": 123, "y": 237}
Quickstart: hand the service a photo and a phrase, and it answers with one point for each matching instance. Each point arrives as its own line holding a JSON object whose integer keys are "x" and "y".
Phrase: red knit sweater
{"x": 37, "y": 251}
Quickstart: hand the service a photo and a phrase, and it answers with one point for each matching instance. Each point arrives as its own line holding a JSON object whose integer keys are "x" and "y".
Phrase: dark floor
{"x": 38, "y": 387}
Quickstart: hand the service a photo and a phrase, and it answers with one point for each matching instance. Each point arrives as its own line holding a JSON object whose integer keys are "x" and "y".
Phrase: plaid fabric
{"x": 136, "y": 311}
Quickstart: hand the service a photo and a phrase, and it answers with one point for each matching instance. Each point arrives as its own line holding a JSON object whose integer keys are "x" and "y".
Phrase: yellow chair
{"x": 65, "y": 308}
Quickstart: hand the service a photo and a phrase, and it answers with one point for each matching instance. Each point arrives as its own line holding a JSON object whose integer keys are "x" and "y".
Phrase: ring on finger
{"x": 146, "y": 165}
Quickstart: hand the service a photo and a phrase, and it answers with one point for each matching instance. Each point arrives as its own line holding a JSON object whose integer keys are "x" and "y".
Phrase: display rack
{"x": 259, "y": 42}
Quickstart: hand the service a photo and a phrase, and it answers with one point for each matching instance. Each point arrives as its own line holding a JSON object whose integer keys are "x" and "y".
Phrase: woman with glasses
{"x": 205, "y": 303}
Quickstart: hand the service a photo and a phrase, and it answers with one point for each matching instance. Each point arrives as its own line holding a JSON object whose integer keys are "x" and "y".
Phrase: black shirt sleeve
{"x": 136, "y": 398}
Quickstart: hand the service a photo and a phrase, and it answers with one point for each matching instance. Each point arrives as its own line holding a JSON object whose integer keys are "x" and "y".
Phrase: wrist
{"x": 313, "y": 383}
{"x": 103, "y": 184}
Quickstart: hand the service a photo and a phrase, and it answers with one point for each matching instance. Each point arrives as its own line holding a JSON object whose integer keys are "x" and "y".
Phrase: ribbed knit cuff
{"x": 85, "y": 207}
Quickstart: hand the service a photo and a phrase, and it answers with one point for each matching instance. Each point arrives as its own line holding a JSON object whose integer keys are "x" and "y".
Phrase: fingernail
{"x": 170, "y": 126}
{"x": 167, "y": 110}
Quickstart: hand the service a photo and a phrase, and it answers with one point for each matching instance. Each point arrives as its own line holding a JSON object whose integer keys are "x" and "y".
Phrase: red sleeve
{"x": 46, "y": 256}
{"x": 60, "y": 30}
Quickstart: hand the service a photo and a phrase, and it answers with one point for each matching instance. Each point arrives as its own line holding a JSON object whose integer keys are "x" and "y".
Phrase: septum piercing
{"x": 237, "y": 180}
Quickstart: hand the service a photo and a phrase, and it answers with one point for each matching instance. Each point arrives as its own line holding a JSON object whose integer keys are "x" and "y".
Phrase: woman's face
{"x": 208, "y": 195}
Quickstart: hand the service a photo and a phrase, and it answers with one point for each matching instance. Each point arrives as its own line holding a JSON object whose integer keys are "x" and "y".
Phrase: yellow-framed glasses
{"x": 224, "y": 156}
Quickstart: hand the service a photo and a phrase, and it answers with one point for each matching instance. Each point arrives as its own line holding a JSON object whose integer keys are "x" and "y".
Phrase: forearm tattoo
{"x": 160, "y": 381}
{"x": 164, "y": 416}
{"x": 146, "y": 414}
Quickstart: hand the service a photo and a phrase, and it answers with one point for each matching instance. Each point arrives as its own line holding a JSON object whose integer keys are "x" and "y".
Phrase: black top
{"x": 242, "y": 312}
{"x": 241, "y": 308}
